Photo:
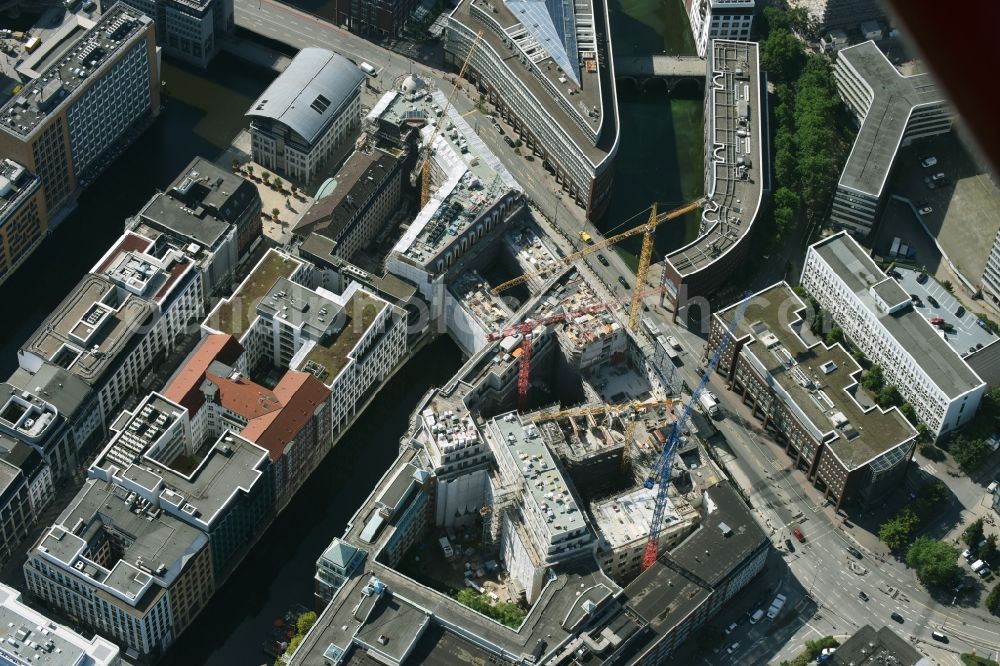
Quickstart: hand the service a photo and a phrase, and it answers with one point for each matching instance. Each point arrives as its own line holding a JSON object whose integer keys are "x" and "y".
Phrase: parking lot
{"x": 963, "y": 210}
{"x": 966, "y": 334}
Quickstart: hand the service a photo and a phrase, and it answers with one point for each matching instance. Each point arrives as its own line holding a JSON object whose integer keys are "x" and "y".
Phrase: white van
{"x": 757, "y": 616}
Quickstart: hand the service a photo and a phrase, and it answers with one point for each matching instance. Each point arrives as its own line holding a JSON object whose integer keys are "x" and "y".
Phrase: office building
{"x": 306, "y": 114}
{"x": 28, "y": 637}
{"x": 189, "y": 30}
{"x": 877, "y": 316}
{"x": 210, "y": 214}
{"x": 991, "y": 274}
{"x": 351, "y": 341}
{"x": 473, "y": 197}
{"x": 379, "y": 18}
{"x": 736, "y": 174}
{"x": 719, "y": 19}
{"x": 893, "y": 111}
{"x": 808, "y": 396}
{"x": 17, "y": 514}
{"x": 85, "y": 104}
{"x": 161, "y": 521}
{"x": 291, "y": 421}
{"x": 24, "y": 220}
{"x": 548, "y": 68}
{"x": 870, "y": 647}
{"x": 826, "y": 15}
{"x": 119, "y": 320}
{"x": 367, "y": 192}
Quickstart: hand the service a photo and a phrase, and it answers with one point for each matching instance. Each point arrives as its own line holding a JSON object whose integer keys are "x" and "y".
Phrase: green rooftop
{"x": 331, "y": 352}
{"x": 235, "y": 314}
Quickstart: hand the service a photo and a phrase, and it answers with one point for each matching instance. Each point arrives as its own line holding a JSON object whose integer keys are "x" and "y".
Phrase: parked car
{"x": 933, "y": 302}
{"x": 938, "y": 636}
{"x": 855, "y": 552}
{"x": 789, "y": 545}
{"x": 624, "y": 282}
{"x": 926, "y": 210}
{"x": 509, "y": 141}
{"x": 604, "y": 260}
{"x": 960, "y": 311}
{"x": 731, "y": 628}
{"x": 938, "y": 177}
{"x": 897, "y": 617}
{"x": 863, "y": 596}
{"x": 732, "y": 648}
{"x": 928, "y": 162}
{"x": 797, "y": 533}
{"x": 983, "y": 325}
{"x": 921, "y": 277}
{"x": 967, "y": 554}
{"x": 757, "y": 615}
{"x": 937, "y": 321}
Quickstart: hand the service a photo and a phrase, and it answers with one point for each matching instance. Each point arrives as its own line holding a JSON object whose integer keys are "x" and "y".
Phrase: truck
{"x": 708, "y": 403}
{"x": 776, "y": 606}
{"x": 585, "y": 237}
{"x": 977, "y": 565}
{"x": 32, "y": 44}
{"x": 368, "y": 69}
{"x": 446, "y": 548}
{"x": 894, "y": 250}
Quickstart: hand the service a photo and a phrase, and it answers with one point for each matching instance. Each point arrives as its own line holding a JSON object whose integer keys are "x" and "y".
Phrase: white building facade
{"x": 719, "y": 19}
{"x": 930, "y": 375}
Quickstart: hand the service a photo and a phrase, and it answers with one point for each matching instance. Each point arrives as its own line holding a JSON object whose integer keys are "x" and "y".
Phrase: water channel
{"x": 660, "y": 159}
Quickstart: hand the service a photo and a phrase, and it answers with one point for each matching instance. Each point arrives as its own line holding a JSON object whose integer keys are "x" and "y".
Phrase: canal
{"x": 660, "y": 159}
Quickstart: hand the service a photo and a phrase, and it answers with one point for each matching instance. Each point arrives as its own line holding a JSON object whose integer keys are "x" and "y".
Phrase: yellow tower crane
{"x": 425, "y": 169}
{"x": 648, "y": 229}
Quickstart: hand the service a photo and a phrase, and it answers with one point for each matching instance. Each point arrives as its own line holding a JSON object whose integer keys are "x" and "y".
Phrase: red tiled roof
{"x": 300, "y": 394}
{"x": 244, "y": 397}
{"x": 184, "y": 389}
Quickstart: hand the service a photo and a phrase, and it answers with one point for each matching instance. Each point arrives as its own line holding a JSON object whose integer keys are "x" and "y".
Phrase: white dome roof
{"x": 412, "y": 84}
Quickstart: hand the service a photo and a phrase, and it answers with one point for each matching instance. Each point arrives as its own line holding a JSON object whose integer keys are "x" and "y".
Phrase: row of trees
{"x": 809, "y": 143}
{"x": 935, "y": 562}
{"x": 302, "y": 626}
{"x": 993, "y": 600}
{"x": 898, "y": 531}
{"x": 974, "y": 535}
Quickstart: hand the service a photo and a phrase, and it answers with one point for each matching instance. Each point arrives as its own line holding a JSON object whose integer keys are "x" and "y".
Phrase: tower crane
{"x": 425, "y": 169}
{"x": 525, "y": 329}
{"x": 662, "y": 470}
{"x": 645, "y": 255}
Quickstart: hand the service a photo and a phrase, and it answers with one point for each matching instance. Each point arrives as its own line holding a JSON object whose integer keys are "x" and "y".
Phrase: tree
{"x": 275, "y": 212}
{"x": 266, "y": 177}
{"x": 786, "y": 203}
{"x": 988, "y": 553}
{"x": 889, "y": 396}
{"x": 872, "y": 378}
{"x": 934, "y": 561}
{"x": 781, "y": 54}
{"x": 896, "y": 532}
{"x": 817, "y": 323}
{"x": 993, "y": 600}
{"x": 278, "y": 183}
{"x": 969, "y": 452}
{"x": 930, "y": 496}
{"x": 973, "y": 534}
{"x": 305, "y": 622}
{"x": 236, "y": 165}
{"x": 250, "y": 169}
{"x": 835, "y": 336}
{"x": 909, "y": 412}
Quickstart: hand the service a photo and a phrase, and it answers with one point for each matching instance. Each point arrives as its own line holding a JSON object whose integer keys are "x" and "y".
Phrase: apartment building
{"x": 991, "y": 274}
{"x": 719, "y": 19}
{"x": 368, "y": 192}
{"x": 27, "y": 635}
{"x": 351, "y": 341}
{"x": 306, "y": 114}
{"x": 103, "y": 85}
{"x": 24, "y": 220}
{"x": 119, "y": 320}
{"x": 548, "y": 68}
{"x": 473, "y": 198}
{"x": 291, "y": 421}
{"x": 893, "y": 111}
{"x": 210, "y": 214}
{"x": 878, "y": 318}
{"x": 16, "y": 513}
{"x": 381, "y": 18}
{"x": 162, "y": 519}
{"x": 538, "y": 524}
{"x": 736, "y": 175}
{"x": 808, "y": 395}
{"x": 189, "y": 30}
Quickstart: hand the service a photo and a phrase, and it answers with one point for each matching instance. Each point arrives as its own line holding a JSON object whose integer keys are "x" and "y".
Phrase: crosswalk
{"x": 930, "y": 469}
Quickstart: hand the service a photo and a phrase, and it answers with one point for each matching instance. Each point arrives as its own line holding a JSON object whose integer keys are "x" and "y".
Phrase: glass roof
{"x": 553, "y": 25}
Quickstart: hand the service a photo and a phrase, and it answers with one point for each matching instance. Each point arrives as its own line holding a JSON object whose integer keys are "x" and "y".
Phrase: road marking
{"x": 930, "y": 469}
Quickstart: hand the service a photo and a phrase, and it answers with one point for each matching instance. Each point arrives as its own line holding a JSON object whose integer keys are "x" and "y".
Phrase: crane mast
{"x": 661, "y": 473}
